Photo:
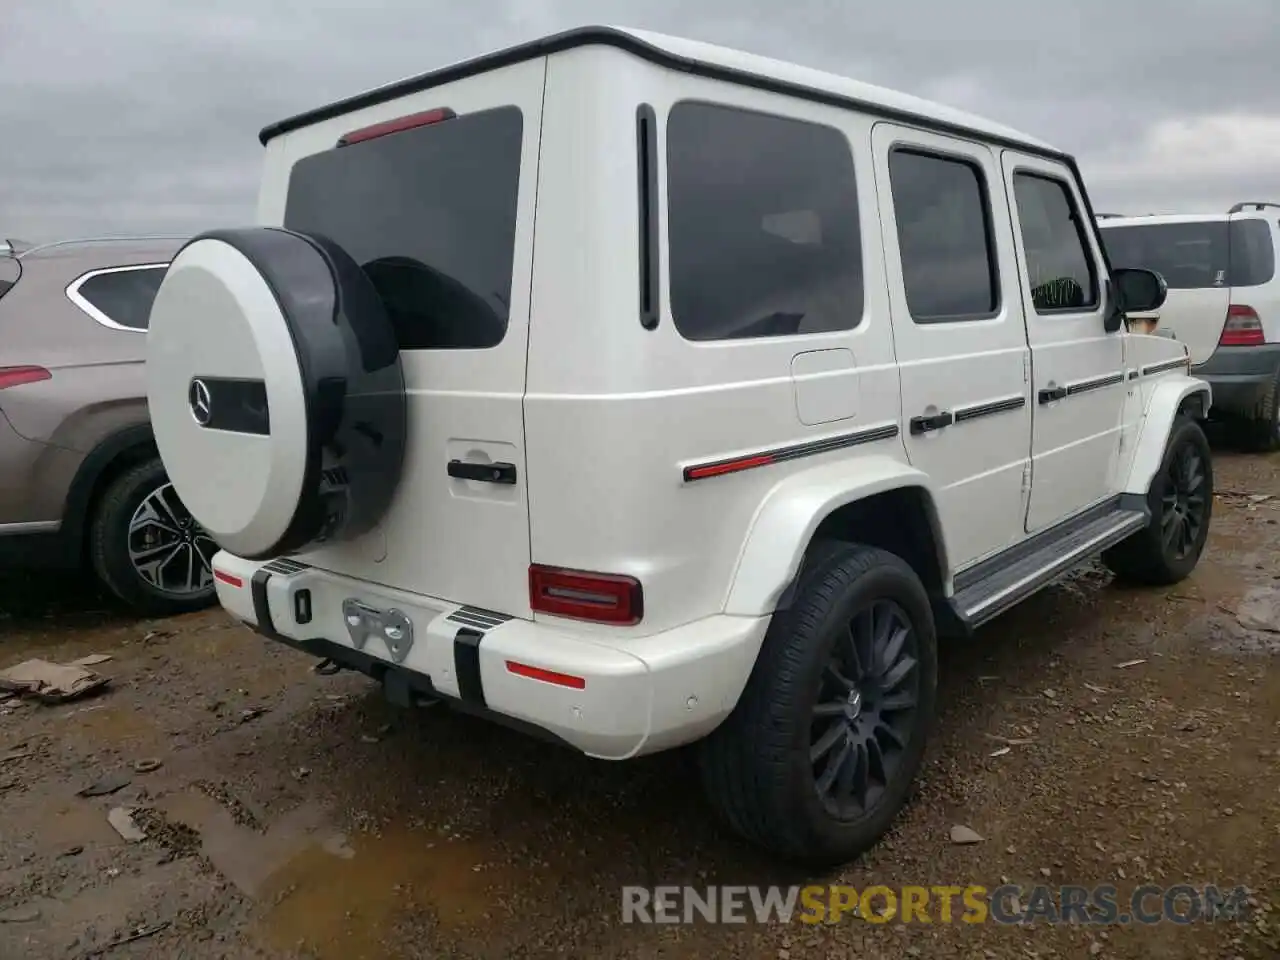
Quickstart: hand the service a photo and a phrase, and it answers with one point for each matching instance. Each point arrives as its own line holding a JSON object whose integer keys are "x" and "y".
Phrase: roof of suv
{"x": 1156, "y": 219}
{"x": 689, "y": 56}
{"x": 103, "y": 251}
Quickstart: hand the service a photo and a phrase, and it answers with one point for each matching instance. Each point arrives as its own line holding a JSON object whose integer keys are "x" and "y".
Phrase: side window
{"x": 1253, "y": 256}
{"x": 762, "y": 225}
{"x": 9, "y": 273}
{"x": 119, "y": 297}
{"x": 1059, "y": 262}
{"x": 944, "y": 235}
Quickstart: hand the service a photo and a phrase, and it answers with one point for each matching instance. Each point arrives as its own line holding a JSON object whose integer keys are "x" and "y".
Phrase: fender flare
{"x": 1157, "y": 420}
{"x": 136, "y": 438}
{"x": 792, "y": 510}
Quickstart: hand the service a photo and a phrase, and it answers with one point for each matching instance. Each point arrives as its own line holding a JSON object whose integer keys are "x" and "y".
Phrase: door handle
{"x": 504, "y": 473}
{"x": 1053, "y": 393}
{"x": 934, "y": 422}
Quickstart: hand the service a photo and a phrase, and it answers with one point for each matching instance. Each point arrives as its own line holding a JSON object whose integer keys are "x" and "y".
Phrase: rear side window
{"x": 762, "y": 225}
{"x": 430, "y": 214}
{"x": 119, "y": 297}
{"x": 1196, "y": 255}
{"x": 1060, "y": 265}
{"x": 944, "y": 235}
{"x": 1253, "y": 255}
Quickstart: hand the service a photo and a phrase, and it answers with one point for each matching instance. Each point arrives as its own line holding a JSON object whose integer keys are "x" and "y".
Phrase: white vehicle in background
{"x": 639, "y": 392}
{"x": 1223, "y": 301}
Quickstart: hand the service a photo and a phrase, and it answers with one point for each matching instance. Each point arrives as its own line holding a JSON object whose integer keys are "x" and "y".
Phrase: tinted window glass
{"x": 1253, "y": 256}
{"x": 1059, "y": 263}
{"x": 124, "y": 296}
{"x": 9, "y": 271}
{"x": 762, "y": 225}
{"x": 1190, "y": 256}
{"x": 944, "y": 236}
{"x": 430, "y": 213}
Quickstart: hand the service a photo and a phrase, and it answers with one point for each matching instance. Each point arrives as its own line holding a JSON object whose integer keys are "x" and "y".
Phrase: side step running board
{"x": 993, "y": 586}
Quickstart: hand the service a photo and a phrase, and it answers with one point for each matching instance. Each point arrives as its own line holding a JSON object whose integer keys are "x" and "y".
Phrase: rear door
{"x": 959, "y": 333}
{"x": 1194, "y": 257}
{"x": 440, "y": 215}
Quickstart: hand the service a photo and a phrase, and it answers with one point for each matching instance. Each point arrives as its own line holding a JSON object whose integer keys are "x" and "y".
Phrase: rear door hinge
{"x": 1026, "y": 368}
{"x": 1026, "y": 479}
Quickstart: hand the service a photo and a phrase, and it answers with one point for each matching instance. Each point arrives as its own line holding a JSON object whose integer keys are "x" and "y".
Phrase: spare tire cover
{"x": 276, "y": 392}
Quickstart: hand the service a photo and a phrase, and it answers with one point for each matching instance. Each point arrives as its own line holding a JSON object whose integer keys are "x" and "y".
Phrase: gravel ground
{"x": 293, "y": 815}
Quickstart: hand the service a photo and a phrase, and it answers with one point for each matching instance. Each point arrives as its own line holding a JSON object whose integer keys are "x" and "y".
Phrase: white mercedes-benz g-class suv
{"x": 640, "y": 393}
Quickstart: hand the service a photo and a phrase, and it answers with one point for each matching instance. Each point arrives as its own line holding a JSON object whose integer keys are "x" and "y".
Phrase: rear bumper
{"x": 1239, "y": 376}
{"x": 632, "y": 696}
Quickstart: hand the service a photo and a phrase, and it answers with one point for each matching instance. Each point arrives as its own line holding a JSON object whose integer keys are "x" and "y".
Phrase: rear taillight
{"x": 17, "y": 376}
{"x": 598, "y": 597}
{"x": 1242, "y": 329}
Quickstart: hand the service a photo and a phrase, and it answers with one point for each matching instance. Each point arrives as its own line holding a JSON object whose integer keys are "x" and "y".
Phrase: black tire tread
{"x": 745, "y": 761}
{"x": 1141, "y": 559}
{"x": 1259, "y": 427}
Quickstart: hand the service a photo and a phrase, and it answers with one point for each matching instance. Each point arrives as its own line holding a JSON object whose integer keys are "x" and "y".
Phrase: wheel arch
{"x": 1170, "y": 398}
{"x": 875, "y": 501}
{"x": 119, "y": 452}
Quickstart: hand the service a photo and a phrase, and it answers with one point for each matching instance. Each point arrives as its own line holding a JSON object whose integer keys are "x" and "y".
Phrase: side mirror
{"x": 1140, "y": 291}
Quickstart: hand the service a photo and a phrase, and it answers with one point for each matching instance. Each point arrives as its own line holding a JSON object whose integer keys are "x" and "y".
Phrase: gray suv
{"x": 81, "y": 483}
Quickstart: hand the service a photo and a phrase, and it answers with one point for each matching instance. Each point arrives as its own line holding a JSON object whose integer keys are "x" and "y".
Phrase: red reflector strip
{"x": 728, "y": 466}
{"x": 228, "y": 578}
{"x": 397, "y": 125}
{"x": 17, "y": 376}
{"x": 546, "y": 676}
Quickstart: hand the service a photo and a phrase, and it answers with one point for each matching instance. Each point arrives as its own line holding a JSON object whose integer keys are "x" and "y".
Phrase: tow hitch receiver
{"x": 364, "y": 621}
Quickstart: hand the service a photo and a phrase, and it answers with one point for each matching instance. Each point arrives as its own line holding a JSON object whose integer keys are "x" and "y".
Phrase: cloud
{"x": 1206, "y": 162}
{"x": 142, "y": 116}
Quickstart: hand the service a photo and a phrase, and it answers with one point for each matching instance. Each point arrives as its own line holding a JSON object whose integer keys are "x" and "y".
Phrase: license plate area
{"x": 366, "y": 622}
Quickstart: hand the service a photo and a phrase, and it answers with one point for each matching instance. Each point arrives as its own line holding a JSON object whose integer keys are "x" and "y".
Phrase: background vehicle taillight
{"x": 1243, "y": 328}
{"x": 598, "y": 597}
{"x": 17, "y": 376}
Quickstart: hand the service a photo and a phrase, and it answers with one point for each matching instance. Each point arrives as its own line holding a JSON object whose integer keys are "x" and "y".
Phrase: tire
{"x": 133, "y": 496}
{"x": 756, "y": 766}
{"x": 1260, "y": 429}
{"x": 1145, "y": 557}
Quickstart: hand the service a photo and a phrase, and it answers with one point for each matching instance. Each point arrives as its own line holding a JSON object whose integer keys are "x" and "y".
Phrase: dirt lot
{"x": 294, "y": 815}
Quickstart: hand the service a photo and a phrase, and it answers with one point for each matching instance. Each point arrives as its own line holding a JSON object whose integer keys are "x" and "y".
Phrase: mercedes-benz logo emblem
{"x": 853, "y": 707}
{"x": 200, "y": 401}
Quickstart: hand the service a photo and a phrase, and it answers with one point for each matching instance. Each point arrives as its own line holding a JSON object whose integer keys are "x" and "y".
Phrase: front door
{"x": 1077, "y": 367}
{"x": 959, "y": 332}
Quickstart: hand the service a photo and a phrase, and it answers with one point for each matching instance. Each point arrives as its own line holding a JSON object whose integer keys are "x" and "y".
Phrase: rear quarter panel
{"x": 98, "y": 384}
{"x": 614, "y": 411}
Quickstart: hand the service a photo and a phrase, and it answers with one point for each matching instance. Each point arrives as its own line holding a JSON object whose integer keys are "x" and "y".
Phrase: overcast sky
{"x": 142, "y": 115}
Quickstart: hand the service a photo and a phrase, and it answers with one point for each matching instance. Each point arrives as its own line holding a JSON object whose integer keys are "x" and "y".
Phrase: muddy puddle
{"x": 341, "y": 897}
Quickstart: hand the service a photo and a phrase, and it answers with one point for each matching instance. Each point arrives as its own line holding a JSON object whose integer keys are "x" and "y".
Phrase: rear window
{"x": 119, "y": 297}
{"x": 762, "y": 225}
{"x": 430, "y": 214}
{"x": 1196, "y": 256}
